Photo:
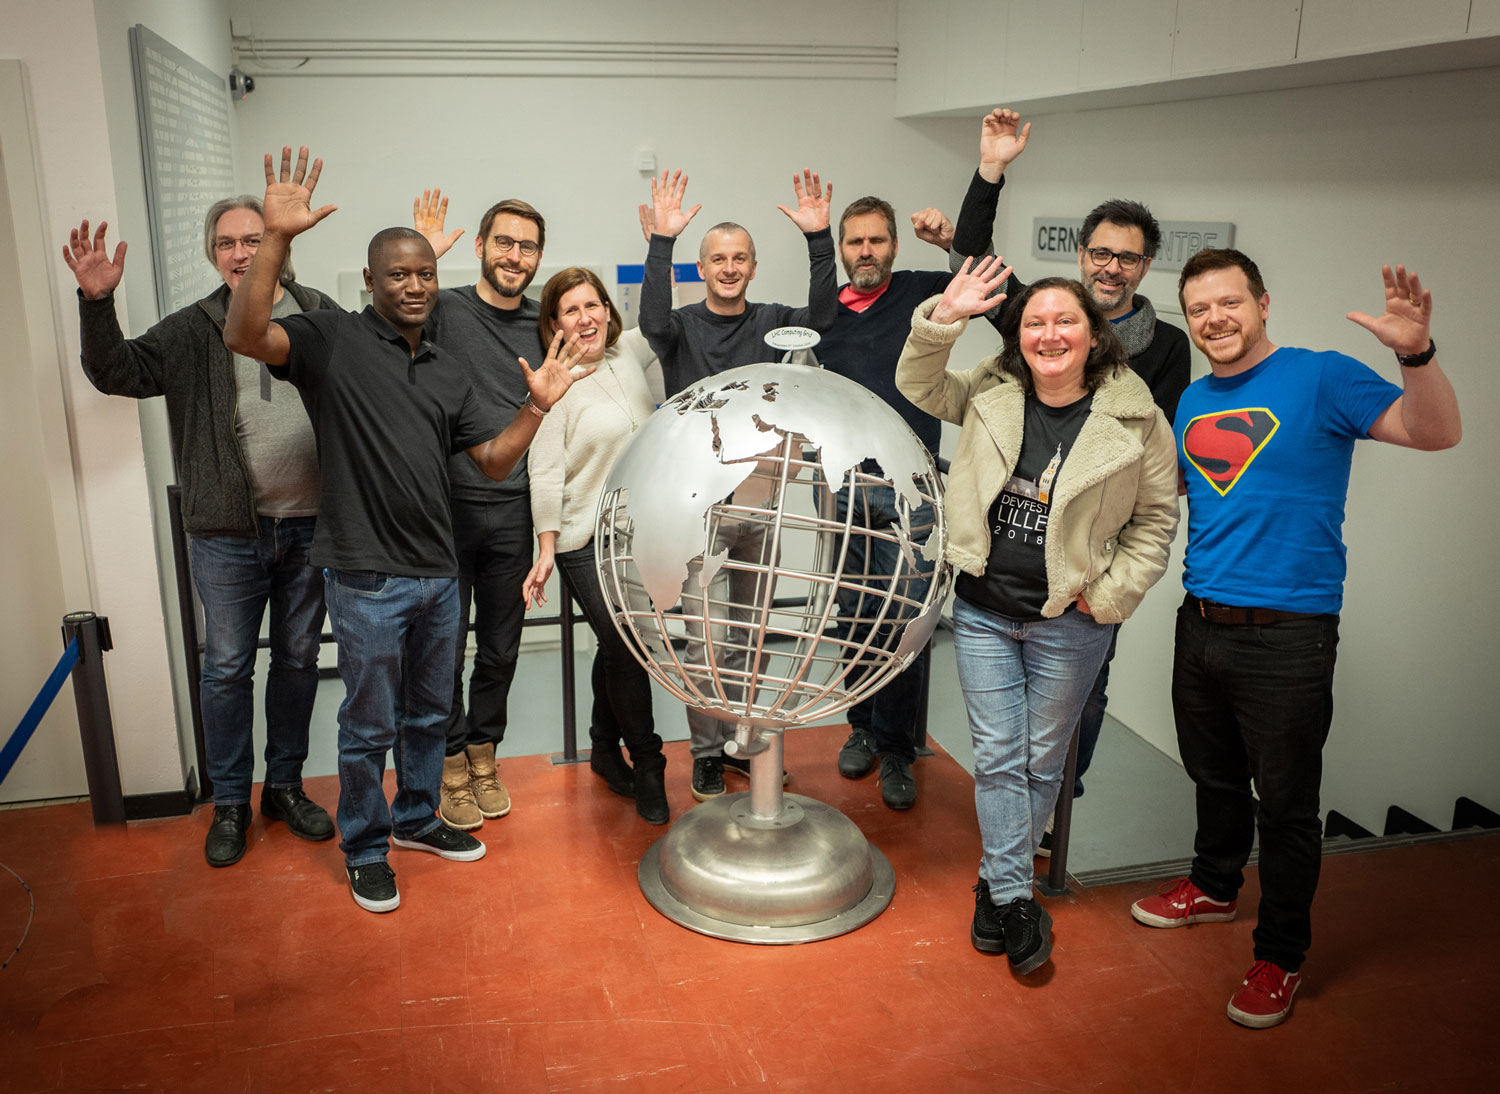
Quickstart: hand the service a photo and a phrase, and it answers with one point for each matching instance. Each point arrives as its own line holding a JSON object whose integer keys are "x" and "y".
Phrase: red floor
{"x": 541, "y": 968}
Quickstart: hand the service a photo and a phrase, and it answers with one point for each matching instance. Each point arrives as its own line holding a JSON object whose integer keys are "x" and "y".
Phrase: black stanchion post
{"x": 1062, "y": 826}
{"x": 570, "y": 717}
{"x": 91, "y": 696}
{"x": 187, "y": 611}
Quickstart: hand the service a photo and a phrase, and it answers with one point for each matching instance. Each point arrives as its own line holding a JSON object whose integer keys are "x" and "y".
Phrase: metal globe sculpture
{"x": 737, "y": 557}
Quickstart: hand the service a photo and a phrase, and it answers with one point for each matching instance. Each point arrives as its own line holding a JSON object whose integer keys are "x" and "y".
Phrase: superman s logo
{"x": 1222, "y": 445}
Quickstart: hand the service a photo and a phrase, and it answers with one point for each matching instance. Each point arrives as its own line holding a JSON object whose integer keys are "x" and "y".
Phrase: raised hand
{"x": 97, "y": 274}
{"x": 550, "y": 382}
{"x": 648, "y": 220}
{"x": 972, "y": 292}
{"x": 931, "y": 226}
{"x": 429, "y": 213}
{"x": 1407, "y": 320}
{"x": 1002, "y": 138}
{"x": 288, "y": 202}
{"x": 813, "y": 200}
{"x": 667, "y": 217}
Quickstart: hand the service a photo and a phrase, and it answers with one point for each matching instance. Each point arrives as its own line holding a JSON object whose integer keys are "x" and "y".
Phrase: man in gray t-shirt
{"x": 244, "y": 454}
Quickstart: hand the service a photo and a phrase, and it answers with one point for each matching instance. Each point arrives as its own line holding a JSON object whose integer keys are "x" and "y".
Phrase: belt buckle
{"x": 1202, "y": 610}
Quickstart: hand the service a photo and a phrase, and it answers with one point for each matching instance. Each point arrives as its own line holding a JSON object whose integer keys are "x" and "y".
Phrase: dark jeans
{"x": 493, "y": 543}
{"x": 1254, "y": 702}
{"x": 395, "y": 637}
{"x": 622, "y": 690}
{"x": 1091, "y": 721}
{"x": 890, "y": 715}
{"x": 236, "y": 577}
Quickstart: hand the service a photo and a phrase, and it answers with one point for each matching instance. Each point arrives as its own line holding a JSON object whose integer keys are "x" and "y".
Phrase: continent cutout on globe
{"x": 704, "y": 445}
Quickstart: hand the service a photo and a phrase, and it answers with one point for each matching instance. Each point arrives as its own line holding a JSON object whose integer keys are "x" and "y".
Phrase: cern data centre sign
{"x": 1056, "y": 239}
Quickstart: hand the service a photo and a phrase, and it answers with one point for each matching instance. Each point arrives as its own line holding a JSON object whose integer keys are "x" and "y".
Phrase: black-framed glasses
{"x": 528, "y": 247}
{"x": 224, "y": 244}
{"x": 1101, "y": 256}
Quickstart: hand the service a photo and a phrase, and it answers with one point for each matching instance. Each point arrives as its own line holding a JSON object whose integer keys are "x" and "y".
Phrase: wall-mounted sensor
{"x": 240, "y": 85}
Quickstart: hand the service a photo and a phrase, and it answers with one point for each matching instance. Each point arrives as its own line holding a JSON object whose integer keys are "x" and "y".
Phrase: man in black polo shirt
{"x": 388, "y": 409}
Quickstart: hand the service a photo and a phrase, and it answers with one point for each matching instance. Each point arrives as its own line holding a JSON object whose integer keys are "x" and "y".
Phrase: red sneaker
{"x": 1180, "y": 903}
{"x": 1265, "y": 998}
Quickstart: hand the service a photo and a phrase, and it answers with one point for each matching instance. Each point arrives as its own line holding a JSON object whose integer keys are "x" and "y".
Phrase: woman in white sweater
{"x": 570, "y": 457}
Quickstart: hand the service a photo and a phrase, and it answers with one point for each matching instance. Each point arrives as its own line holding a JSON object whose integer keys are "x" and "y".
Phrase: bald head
{"x": 386, "y": 236}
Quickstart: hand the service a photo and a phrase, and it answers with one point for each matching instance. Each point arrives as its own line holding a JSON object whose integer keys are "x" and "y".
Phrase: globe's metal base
{"x": 805, "y": 874}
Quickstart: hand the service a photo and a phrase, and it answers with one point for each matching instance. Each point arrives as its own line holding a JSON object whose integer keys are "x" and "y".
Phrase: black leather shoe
{"x": 651, "y": 795}
{"x": 304, "y": 817}
{"x": 898, "y": 789}
{"x": 857, "y": 757}
{"x": 225, "y": 844}
{"x": 1028, "y": 933}
{"x": 606, "y": 761}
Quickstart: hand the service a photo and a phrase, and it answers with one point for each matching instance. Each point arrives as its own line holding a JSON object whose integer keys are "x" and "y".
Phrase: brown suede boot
{"x": 456, "y": 804}
{"x": 489, "y": 792}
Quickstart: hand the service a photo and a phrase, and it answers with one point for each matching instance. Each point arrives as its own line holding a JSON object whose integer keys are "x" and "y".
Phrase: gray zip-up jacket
{"x": 184, "y": 359}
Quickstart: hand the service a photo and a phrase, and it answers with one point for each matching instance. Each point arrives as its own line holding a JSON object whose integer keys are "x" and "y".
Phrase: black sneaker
{"x": 225, "y": 844}
{"x": 445, "y": 842}
{"x": 857, "y": 757}
{"x": 987, "y": 934}
{"x": 374, "y": 887}
{"x": 304, "y": 817}
{"x": 897, "y": 787}
{"x": 1044, "y": 849}
{"x": 1028, "y": 933}
{"x": 708, "y": 777}
{"x": 740, "y": 765}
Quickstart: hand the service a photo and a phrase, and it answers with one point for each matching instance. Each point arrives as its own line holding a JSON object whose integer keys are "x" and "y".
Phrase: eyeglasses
{"x": 505, "y": 243}
{"x": 224, "y": 244}
{"x": 1101, "y": 256}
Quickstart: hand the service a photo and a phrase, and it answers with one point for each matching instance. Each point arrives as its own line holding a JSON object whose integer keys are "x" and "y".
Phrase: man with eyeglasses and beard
{"x": 1116, "y": 245}
{"x": 489, "y": 326}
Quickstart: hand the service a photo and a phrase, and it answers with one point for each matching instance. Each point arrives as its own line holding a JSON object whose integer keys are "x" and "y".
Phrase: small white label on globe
{"x": 793, "y": 338}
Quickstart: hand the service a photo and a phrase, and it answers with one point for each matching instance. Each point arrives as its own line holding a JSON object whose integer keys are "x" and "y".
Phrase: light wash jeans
{"x": 1024, "y": 685}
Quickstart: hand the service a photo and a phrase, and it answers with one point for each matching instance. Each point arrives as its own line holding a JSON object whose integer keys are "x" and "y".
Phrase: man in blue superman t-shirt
{"x": 1264, "y": 448}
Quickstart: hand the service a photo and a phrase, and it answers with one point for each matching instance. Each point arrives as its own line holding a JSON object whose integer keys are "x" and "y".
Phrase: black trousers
{"x": 1253, "y": 704}
{"x": 493, "y": 543}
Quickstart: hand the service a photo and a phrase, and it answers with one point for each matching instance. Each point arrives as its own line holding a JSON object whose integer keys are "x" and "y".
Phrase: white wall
{"x": 1325, "y": 184}
{"x": 76, "y": 95}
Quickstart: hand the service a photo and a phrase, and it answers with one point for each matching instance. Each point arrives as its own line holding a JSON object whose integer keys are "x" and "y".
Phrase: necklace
{"x": 624, "y": 401}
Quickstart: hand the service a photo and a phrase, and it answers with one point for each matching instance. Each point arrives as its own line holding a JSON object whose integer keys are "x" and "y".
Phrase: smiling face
{"x": 403, "y": 282}
{"x": 726, "y": 262}
{"x": 236, "y": 238}
{"x": 1055, "y": 342}
{"x": 581, "y": 313}
{"x": 1226, "y": 320}
{"x": 1111, "y": 286}
{"x": 868, "y": 251}
{"x": 506, "y": 270}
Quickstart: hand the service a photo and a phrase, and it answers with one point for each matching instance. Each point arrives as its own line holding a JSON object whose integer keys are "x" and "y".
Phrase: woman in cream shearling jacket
{"x": 1087, "y": 519}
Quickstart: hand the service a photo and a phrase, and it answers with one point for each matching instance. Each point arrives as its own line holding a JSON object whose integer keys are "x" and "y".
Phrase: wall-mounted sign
{"x": 1056, "y": 239}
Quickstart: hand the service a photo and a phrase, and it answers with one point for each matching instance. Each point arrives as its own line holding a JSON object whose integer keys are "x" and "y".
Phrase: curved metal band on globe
{"x": 770, "y": 543}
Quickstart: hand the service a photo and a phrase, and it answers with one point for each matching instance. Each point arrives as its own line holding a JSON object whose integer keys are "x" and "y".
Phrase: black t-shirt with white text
{"x": 1015, "y": 578}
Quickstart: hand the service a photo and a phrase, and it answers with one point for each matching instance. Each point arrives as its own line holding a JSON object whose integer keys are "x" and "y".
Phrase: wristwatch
{"x": 1417, "y": 360}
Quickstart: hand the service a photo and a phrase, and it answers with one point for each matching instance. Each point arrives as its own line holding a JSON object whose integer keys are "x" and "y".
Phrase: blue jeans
{"x": 890, "y": 715}
{"x": 1254, "y": 704}
{"x": 396, "y": 637}
{"x": 493, "y": 543}
{"x": 1024, "y": 685}
{"x": 1092, "y": 719}
{"x": 236, "y": 576}
{"x": 622, "y": 688}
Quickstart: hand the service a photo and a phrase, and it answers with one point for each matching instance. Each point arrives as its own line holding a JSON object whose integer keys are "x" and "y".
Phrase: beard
{"x": 492, "y": 275}
{"x": 870, "y": 277}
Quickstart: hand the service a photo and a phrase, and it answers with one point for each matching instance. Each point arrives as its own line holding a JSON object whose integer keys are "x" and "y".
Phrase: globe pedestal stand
{"x": 765, "y": 866}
